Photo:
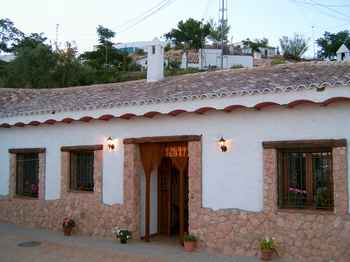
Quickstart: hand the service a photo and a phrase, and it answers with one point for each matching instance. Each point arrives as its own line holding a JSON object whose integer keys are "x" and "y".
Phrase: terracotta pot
{"x": 123, "y": 240}
{"x": 266, "y": 255}
{"x": 189, "y": 245}
{"x": 67, "y": 231}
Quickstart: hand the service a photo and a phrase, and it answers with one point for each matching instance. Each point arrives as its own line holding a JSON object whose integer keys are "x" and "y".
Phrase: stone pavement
{"x": 57, "y": 248}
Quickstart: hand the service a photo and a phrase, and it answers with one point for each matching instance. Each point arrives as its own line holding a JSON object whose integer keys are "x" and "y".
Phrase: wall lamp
{"x": 110, "y": 144}
{"x": 222, "y": 143}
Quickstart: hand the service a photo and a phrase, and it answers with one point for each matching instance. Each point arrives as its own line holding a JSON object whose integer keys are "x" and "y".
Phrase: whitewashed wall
{"x": 230, "y": 180}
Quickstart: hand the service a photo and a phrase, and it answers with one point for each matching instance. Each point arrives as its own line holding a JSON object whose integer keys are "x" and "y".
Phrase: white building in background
{"x": 7, "y": 57}
{"x": 211, "y": 58}
{"x": 343, "y": 53}
{"x": 132, "y": 47}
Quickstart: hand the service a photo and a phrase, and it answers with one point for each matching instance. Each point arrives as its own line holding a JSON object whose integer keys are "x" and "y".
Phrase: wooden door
{"x": 164, "y": 197}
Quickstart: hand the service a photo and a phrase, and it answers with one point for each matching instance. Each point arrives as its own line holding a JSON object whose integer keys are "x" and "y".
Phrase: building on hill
{"x": 229, "y": 156}
{"x": 343, "y": 53}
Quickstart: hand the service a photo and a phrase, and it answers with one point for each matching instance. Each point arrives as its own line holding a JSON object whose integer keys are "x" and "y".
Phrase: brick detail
{"x": 86, "y": 208}
{"x": 340, "y": 172}
{"x": 300, "y": 235}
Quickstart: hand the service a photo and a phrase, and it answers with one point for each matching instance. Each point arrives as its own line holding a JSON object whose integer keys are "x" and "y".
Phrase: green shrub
{"x": 278, "y": 61}
{"x": 190, "y": 238}
{"x": 237, "y": 66}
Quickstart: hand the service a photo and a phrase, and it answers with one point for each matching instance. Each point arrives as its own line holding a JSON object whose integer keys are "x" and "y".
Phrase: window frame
{"x": 14, "y": 152}
{"x": 73, "y": 188}
{"x": 20, "y": 190}
{"x": 67, "y": 173}
{"x": 282, "y": 177}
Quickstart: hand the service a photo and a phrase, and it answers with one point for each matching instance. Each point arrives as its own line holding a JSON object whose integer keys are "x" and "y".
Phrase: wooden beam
{"x": 148, "y": 207}
{"x": 305, "y": 143}
{"x": 26, "y": 150}
{"x": 182, "y": 205}
{"x": 82, "y": 148}
{"x": 162, "y": 139}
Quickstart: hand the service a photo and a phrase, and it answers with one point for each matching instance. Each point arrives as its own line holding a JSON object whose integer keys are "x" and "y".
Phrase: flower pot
{"x": 123, "y": 240}
{"x": 266, "y": 255}
{"x": 67, "y": 231}
{"x": 189, "y": 245}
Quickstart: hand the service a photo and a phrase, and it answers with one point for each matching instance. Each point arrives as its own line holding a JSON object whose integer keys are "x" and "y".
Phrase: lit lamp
{"x": 222, "y": 143}
{"x": 110, "y": 144}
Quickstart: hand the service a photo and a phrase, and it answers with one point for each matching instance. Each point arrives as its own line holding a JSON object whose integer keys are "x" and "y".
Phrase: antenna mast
{"x": 223, "y": 20}
{"x": 56, "y": 40}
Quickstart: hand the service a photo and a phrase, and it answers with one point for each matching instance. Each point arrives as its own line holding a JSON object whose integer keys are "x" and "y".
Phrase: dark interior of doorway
{"x": 168, "y": 199}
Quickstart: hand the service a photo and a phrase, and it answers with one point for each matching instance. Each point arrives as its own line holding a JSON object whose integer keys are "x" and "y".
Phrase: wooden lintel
{"x": 26, "y": 150}
{"x": 305, "y": 143}
{"x": 82, "y": 148}
{"x": 162, "y": 139}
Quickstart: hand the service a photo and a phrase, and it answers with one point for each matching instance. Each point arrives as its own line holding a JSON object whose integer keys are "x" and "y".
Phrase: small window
{"x": 153, "y": 49}
{"x": 27, "y": 174}
{"x": 82, "y": 171}
{"x": 305, "y": 179}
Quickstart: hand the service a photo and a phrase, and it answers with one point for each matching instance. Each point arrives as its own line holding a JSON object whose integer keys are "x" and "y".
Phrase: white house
{"x": 263, "y": 52}
{"x": 230, "y": 156}
{"x": 343, "y": 53}
{"x": 211, "y": 58}
{"x": 7, "y": 57}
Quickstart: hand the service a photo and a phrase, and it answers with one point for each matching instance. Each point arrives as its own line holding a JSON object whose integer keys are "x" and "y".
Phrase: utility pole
{"x": 313, "y": 41}
{"x": 56, "y": 40}
{"x": 222, "y": 10}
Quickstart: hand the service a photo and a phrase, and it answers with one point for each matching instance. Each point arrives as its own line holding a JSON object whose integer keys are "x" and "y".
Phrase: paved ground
{"x": 57, "y": 248}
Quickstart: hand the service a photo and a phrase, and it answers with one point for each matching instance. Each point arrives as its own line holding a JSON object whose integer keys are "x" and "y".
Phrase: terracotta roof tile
{"x": 187, "y": 87}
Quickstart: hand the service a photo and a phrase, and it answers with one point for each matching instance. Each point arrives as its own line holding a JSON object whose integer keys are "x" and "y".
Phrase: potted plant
{"x": 267, "y": 247}
{"x": 122, "y": 234}
{"x": 189, "y": 242}
{"x": 68, "y": 225}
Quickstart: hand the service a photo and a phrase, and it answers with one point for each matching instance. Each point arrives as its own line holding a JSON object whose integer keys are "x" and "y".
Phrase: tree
{"x": 69, "y": 71}
{"x": 9, "y": 35}
{"x": 105, "y": 35}
{"x": 331, "y": 42}
{"x": 33, "y": 66}
{"x": 256, "y": 44}
{"x": 293, "y": 48}
{"x": 216, "y": 32}
{"x": 190, "y": 34}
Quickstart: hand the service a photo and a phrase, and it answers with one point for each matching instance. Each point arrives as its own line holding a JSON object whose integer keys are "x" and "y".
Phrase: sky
{"x": 78, "y": 19}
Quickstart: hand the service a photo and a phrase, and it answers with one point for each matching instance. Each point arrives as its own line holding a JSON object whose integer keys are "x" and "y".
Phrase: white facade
{"x": 212, "y": 58}
{"x": 343, "y": 53}
{"x": 230, "y": 180}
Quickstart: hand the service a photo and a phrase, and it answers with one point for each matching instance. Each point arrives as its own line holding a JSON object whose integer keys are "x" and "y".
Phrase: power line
{"x": 325, "y": 9}
{"x": 142, "y": 14}
{"x": 141, "y": 19}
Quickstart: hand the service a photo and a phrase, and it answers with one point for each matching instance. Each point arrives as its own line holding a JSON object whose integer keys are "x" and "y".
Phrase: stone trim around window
{"x": 66, "y": 192}
{"x": 339, "y": 171}
{"x": 13, "y": 171}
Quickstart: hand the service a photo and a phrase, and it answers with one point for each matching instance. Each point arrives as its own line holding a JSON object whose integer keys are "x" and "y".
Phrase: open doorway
{"x": 171, "y": 220}
{"x": 166, "y": 164}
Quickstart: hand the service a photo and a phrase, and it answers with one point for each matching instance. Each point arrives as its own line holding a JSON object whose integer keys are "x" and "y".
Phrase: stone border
{"x": 301, "y": 235}
{"x": 41, "y": 175}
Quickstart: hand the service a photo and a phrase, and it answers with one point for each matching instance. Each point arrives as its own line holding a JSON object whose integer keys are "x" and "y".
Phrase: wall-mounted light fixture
{"x": 110, "y": 144}
{"x": 222, "y": 143}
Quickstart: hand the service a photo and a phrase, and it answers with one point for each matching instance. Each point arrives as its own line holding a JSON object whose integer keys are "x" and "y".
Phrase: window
{"x": 305, "y": 179}
{"x": 27, "y": 174}
{"x": 153, "y": 49}
{"x": 82, "y": 171}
